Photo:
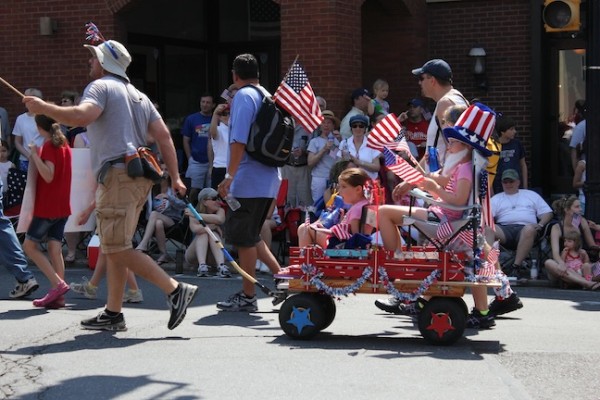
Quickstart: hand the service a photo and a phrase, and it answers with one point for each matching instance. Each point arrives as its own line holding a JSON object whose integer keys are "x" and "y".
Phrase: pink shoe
{"x": 56, "y": 304}
{"x": 53, "y": 295}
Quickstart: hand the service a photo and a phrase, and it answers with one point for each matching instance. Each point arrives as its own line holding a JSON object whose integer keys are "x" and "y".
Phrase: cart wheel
{"x": 329, "y": 307}
{"x": 442, "y": 321}
{"x": 302, "y": 316}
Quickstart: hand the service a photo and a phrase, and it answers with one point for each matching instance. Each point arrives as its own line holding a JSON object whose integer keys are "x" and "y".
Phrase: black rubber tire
{"x": 329, "y": 307}
{"x": 442, "y": 321}
{"x": 312, "y": 322}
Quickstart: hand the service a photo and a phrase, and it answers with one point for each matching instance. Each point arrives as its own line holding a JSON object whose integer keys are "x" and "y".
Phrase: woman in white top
{"x": 355, "y": 147}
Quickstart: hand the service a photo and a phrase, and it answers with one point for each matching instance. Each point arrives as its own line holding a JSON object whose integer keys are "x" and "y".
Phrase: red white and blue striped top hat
{"x": 474, "y": 127}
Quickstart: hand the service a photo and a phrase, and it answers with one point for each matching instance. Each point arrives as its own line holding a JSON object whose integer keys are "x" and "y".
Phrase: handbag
{"x": 150, "y": 165}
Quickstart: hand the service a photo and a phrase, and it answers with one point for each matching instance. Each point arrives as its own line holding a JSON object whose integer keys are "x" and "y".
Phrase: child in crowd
{"x": 351, "y": 184}
{"x": 168, "y": 211}
{"x": 381, "y": 90}
{"x": 512, "y": 153}
{"x": 5, "y": 164}
{"x": 574, "y": 256}
{"x": 51, "y": 208}
{"x": 213, "y": 215}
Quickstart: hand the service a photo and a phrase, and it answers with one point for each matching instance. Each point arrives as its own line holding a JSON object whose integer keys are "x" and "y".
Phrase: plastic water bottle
{"x": 434, "y": 165}
{"x": 133, "y": 162}
{"x": 534, "y": 269}
{"x": 232, "y": 202}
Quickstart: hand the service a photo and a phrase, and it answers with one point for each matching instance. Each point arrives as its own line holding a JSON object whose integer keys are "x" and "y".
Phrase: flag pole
{"x": 11, "y": 87}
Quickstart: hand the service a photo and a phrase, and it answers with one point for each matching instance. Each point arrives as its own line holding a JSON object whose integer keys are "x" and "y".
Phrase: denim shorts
{"x": 42, "y": 229}
{"x": 242, "y": 227}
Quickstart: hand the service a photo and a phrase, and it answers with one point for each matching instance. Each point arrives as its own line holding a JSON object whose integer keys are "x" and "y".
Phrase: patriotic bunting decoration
{"x": 341, "y": 231}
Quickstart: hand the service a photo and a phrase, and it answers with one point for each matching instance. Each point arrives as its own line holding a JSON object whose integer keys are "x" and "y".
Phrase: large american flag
{"x": 384, "y": 133}
{"x": 295, "y": 95}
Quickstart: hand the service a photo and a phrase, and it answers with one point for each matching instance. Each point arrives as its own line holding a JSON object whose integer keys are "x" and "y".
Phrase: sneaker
{"x": 413, "y": 308}
{"x": 390, "y": 305}
{"x": 56, "y": 304}
{"x": 223, "y": 271}
{"x": 85, "y": 288}
{"x": 104, "y": 322}
{"x": 477, "y": 321}
{"x": 179, "y": 301}
{"x": 133, "y": 296}
{"x": 52, "y": 295}
{"x": 24, "y": 289}
{"x": 202, "y": 270}
{"x": 500, "y": 306}
{"x": 238, "y": 302}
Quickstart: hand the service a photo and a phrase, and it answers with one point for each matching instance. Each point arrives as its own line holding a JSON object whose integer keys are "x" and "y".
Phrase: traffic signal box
{"x": 562, "y": 15}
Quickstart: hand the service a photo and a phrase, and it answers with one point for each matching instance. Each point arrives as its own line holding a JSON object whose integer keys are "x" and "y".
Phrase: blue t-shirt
{"x": 196, "y": 127}
{"x": 252, "y": 179}
{"x": 510, "y": 158}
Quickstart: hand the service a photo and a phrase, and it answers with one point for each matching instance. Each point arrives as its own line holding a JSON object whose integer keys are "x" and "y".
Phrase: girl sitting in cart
{"x": 351, "y": 185}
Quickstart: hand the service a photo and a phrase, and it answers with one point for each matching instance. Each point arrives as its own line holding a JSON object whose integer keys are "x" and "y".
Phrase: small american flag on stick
{"x": 384, "y": 133}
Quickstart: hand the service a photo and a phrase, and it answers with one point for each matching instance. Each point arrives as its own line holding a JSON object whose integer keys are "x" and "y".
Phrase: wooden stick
{"x": 12, "y": 87}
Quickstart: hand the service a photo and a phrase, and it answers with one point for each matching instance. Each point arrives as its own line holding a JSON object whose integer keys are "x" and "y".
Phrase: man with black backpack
{"x": 253, "y": 183}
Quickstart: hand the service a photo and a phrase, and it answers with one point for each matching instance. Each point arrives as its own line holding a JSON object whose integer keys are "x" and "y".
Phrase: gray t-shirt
{"x": 126, "y": 115}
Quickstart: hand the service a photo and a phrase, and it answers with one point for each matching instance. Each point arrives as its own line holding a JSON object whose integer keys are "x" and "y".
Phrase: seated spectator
{"x": 266, "y": 235}
{"x": 570, "y": 220}
{"x": 168, "y": 211}
{"x": 214, "y": 216}
{"x": 575, "y": 257}
{"x": 520, "y": 215}
{"x": 351, "y": 184}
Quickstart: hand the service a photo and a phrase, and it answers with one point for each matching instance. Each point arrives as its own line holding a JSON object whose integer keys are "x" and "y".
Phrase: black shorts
{"x": 242, "y": 227}
{"x": 512, "y": 233}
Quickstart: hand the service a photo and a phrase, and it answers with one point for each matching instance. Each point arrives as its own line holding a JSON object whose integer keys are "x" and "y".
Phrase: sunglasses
{"x": 358, "y": 126}
{"x": 422, "y": 78}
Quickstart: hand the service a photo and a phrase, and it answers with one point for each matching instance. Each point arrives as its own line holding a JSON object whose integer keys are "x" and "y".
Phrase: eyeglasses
{"x": 358, "y": 126}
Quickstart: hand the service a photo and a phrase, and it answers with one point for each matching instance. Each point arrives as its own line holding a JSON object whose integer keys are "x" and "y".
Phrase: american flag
{"x": 444, "y": 230}
{"x": 341, "y": 231}
{"x": 389, "y": 157}
{"x": 296, "y": 96}
{"x": 384, "y": 133}
{"x": 494, "y": 254}
{"x": 407, "y": 172}
{"x": 487, "y": 270}
{"x": 487, "y": 218}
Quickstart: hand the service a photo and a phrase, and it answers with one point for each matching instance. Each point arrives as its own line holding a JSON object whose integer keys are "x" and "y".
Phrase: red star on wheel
{"x": 441, "y": 323}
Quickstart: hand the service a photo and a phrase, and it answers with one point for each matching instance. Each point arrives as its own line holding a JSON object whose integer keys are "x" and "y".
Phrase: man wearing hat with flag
{"x": 118, "y": 116}
{"x": 471, "y": 132}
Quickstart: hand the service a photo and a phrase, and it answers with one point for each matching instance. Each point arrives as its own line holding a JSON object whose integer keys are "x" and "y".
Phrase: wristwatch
{"x": 227, "y": 176}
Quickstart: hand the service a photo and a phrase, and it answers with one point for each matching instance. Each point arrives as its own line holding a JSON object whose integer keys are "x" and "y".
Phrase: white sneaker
{"x": 85, "y": 288}
{"x": 133, "y": 296}
{"x": 223, "y": 271}
{"x": 24, "y": 289}
{"x": 202, "y": 270}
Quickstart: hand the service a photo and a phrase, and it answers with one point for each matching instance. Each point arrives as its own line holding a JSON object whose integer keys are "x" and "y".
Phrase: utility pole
{"x": 592, "y": 90}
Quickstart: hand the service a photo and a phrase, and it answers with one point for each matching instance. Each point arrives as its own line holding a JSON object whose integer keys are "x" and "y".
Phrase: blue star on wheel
{"x": 300, "y": 318}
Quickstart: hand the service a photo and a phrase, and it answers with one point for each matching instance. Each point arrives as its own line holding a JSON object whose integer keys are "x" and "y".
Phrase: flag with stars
{"x": 296, "y": 96}
{"x": 16, "y": 181}
{"x": 384, "y": 133}
{"x": 389, "y": 157}
{"x": 406, "y": 171}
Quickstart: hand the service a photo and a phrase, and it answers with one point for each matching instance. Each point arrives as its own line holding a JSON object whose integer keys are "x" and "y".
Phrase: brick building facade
{"x": 343, "y": 44}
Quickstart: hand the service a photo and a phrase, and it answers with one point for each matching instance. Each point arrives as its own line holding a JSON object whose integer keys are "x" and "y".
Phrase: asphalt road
{"x": 547, "y": 350}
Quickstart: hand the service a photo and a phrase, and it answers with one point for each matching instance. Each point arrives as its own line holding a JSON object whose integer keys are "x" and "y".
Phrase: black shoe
{"x": 179, "y": 301}
{"x": 390, "y": 305}
{"x": 105, "y": 322}
{"x": 477, "y": 321}
{"x": 503, "y": 306}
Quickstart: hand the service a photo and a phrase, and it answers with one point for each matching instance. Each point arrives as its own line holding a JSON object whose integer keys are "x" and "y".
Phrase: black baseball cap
{"x": 437, "y": 68}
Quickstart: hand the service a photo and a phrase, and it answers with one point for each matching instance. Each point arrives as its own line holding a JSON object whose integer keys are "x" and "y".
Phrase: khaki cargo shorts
{"x": 119, "y": 201}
